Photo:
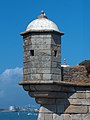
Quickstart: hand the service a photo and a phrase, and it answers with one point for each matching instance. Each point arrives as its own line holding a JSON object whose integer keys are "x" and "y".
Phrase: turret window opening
{"x": 55, "y": 53}
{"x": 32, "y": 52}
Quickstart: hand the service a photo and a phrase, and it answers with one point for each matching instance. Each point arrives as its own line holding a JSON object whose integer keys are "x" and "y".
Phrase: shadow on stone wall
{"x": 66, "y": 102}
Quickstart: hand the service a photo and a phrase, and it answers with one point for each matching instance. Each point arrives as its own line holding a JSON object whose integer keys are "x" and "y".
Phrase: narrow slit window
{"x": 55, "y": 53}
{"x": 32, "y": 52}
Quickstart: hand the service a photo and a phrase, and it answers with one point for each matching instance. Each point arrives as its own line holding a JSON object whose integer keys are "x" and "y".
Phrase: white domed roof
{"x": 42, "y": 24}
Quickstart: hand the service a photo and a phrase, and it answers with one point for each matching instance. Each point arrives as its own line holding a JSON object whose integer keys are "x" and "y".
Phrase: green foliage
{"x": 85, "y": 62}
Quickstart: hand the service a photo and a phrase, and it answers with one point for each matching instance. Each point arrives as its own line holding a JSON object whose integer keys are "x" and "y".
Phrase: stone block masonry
{"x": 42, "y": 57}
{"x": 76, "y": 74}
{"x": 65, "y": 105}
{"x": 63, "y": 93}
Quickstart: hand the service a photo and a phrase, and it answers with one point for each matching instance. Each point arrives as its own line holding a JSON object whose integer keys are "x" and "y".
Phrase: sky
{"x": 71, "y": 16}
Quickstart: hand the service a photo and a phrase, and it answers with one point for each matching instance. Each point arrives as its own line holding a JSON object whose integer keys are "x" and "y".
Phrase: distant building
{"x": 65, "y": 64}
{"x": 12, "y": 108}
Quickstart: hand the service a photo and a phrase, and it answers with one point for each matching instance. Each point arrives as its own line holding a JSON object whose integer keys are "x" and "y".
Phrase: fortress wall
{"x": 76, "y": 74}
{"x": 71, "y": 104}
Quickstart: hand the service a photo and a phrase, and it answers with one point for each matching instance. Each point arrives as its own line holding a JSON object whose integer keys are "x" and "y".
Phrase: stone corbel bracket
{"x": 44, "y": 91}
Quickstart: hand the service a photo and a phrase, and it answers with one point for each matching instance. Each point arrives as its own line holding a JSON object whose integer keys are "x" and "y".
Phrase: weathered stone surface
{"x": 45, "y": 101}
{"x": 58, "y": 116}
{"x": 41, "y": 116}
{"x": 53, "y": 88}
{"x": 72, "y": 95}
{"x": 46, "y": 46}
{"x": 43, "y": 52}
{"x": 48, "y": 116}
{"x": 56, "y": 39}
{"x": 80, "y": 89}
{"x": 47, "y": 76}
{"x": 40, "y": 88}
{"x": 89, "y": 109}
{"x": 39, "y": 56}
{"x": 76, "y": 109}
{"x": 81, "y": 95}
{"x": 47, "y": 109}
{"x": 26, "y": 87}
{"x": 39, "y": 40}
{"x": 75, "y": 74}
{"x": 33, "y": 58}
{"x": 46, "y": 64}
{"x": 60, "y": 109}
{"x": 55, "y": 95}
{"x": 33, "y": 41}
{"x": 25, "y": 71}
{"x": 54, "y": 64}
{"x": 67, "y": 117}
{"x": 88, "y": 89}
{"x": 79, "y": 101}
{"x": 46, "y": 70}
{"x": 32, "y": 70}
{"x": 76, "y": 117}
{"x": 62, "y": 101}
{"x": 27, "y": 77}
{"x": 36, "y": 76}
{"x": 42, "y": 76}
{"x": 88, "y": 95}
{"x": 85, "y": 116}
{"x": 46, "y": 58}
{"x": 47, "y": 40}
{"x": 54, "y": 59}
{"x": 68, "y": 89}
{"x": 67, "y": 105}
{"x": 56, "y": 71}
{"x": 39, "y": 94}
{"x": 56, "y": 77}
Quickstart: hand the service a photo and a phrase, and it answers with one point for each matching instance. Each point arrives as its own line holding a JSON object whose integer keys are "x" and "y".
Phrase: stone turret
{"x": 53, "y": 87}
{"x": 42, "y": 46}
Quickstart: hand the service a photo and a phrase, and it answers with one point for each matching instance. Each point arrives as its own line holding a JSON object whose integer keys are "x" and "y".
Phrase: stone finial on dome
{"x": 42, "y": 24}
{"x": 43, "y": 15}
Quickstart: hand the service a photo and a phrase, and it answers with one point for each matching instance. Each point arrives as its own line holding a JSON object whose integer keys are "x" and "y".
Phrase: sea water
{"x": 18, "y": 116}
